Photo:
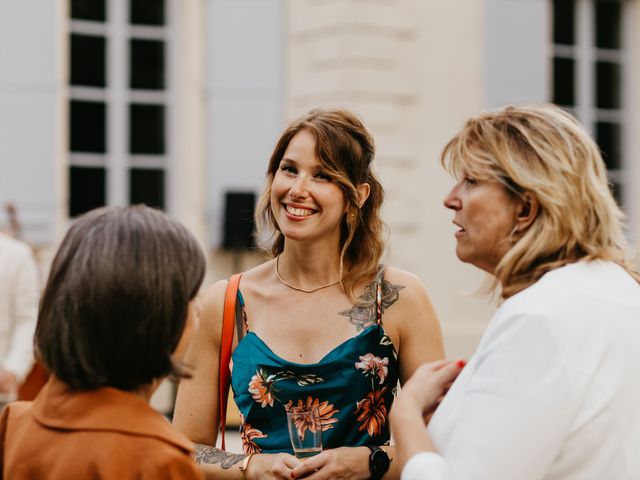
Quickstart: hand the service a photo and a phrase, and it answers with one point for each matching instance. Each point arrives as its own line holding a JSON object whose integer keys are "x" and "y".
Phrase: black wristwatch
{"x": 379, "y": 462}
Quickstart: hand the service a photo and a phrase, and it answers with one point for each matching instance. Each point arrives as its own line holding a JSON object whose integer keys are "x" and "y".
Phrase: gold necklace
{"x": 298, "y": 289}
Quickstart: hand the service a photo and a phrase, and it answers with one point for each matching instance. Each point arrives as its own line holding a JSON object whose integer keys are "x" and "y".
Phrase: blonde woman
{"x": 553, "y": 389}
{"x": 324, "y": 323}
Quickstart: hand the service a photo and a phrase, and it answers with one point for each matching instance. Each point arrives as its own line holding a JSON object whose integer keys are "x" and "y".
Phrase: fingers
{"x": 424, "y": 390}
{"x": 284, "y": 465}
{"x": 437, "y": 365}
{"x": 448, "y": 373}
{"x": 273, "y": 466}
{"x": 309, "y": 466}
{"x": 290, "y": 461}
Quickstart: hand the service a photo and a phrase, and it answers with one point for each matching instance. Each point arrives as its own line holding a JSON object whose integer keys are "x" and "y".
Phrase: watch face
{"x": 380, "y": 461}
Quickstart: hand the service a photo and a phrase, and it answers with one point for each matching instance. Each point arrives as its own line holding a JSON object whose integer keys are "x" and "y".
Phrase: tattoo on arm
{"x": 363, "y": 313}
{"x": 209, "y": 454}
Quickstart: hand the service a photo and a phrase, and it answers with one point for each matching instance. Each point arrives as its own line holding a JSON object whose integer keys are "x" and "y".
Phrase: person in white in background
{"x": 19, "y": 294}
{"x": 553, "y": 390}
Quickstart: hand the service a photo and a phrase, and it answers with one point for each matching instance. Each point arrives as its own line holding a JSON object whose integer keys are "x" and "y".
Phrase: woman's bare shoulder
{"x": 259, "y": 273}
{"x": 409, "y": 290}
{"x": 410, "y": 282}
{"x": 213, "y": 294}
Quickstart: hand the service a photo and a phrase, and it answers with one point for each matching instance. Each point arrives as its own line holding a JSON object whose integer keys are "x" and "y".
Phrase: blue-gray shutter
{"x": 31, "y": 112}
{"x": 517, "y": 42}
{"x": 244, "y": 101}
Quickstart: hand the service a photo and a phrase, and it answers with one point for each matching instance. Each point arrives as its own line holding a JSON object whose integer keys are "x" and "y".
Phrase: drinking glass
{"x": 305, "y": 431}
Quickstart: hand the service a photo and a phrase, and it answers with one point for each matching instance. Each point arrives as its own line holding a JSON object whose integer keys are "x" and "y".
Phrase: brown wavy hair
{"x": 346, "y": 151}
{"x": 543, "y": 150}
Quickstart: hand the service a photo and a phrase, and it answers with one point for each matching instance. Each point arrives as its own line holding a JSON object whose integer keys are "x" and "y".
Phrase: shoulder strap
{"x": 226, "y": 343}
{"x": 379, "y": 309}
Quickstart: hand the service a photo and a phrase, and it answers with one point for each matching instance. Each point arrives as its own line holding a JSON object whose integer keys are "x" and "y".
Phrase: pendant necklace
{"x": 298, "y": 289}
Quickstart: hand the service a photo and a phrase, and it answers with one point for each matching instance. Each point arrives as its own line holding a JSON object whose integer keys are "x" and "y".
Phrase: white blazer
{"x": 19, "y": 294}
{"x": 553, "y": 391}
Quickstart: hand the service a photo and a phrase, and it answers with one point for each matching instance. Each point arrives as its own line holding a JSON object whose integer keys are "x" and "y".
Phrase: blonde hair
{"x": 346, "y": 150}
{"x": 544, "y": 151}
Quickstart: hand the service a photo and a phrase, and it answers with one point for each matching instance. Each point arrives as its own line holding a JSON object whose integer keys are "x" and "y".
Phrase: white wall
{"x": 187, "y": 171}
{"x": 413, "y": 70}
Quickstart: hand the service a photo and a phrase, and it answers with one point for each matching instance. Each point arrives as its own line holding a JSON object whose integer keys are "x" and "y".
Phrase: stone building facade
{"x": 178, "y": 103}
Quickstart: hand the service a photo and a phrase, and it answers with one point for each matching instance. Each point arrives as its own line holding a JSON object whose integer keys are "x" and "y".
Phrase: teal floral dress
{"x": 353, "y": 386}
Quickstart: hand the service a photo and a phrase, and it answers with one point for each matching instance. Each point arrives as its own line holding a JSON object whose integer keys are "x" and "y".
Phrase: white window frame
{"x": 585, "y": 54}
{"x": 117, "y": 97}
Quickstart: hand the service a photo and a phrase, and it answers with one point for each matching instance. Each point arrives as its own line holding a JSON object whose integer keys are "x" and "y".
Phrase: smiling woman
{"x": 322, "y": 323}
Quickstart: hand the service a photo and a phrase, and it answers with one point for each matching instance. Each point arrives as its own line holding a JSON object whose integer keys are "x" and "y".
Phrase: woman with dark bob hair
{"x": 320, "y": 324}
{"x": 117, "y": 314}
{"x": 553, "y": 391}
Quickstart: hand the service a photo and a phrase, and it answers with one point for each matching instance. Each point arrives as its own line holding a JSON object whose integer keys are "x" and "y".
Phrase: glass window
{"x": 87, "y": 189}
{"x": 89, "y": 10}
{"x": 608, "y": 22}
{"x": 601, "y": 103}
{"x": 146, "y": 64}
{"x": 147, "y": 186}
{"x": 88, "y": 54}
{"x": 146, "y": 12}
{"x": 608, "y": 137}
{"x": 96, "y": 156}
{"x": 563, "y": 22}
{"x": 87, "y": 122}
{"x": 146, "y": 129}
{"x": 563, "y": 81}
{"x": 607, "y": 85}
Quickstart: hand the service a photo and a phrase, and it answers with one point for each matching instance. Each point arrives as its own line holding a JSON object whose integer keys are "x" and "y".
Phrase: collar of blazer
{"x": 106, "y": 409}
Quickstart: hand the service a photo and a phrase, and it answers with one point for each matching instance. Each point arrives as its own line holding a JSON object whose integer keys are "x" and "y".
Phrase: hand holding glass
{"x": 305, "y": 431}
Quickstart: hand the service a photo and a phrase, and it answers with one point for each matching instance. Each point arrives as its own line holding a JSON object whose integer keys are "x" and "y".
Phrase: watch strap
{"x": 376, "y": 473}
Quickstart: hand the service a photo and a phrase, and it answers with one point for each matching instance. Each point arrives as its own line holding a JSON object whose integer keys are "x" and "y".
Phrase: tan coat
{"x": 100, "y": 434}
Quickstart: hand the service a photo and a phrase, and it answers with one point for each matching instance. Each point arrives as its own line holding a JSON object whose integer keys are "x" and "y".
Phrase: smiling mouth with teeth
{"x": 299, "y": 212}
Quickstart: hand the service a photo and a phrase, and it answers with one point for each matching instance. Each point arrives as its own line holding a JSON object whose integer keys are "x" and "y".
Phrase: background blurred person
{"x": 553, "y": 389}
{"x": 14, "y": 228}
{"x": 117, "y": 314}
{"x": 19, "y": 293}
{"x": 321, "y": 323}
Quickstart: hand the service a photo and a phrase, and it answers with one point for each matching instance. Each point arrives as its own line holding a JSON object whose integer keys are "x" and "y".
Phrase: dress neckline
{"x": 367, "y": 331}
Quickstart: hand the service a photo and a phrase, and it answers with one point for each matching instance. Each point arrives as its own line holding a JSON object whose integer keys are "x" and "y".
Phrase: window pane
{"x": 88, "y": 189}
{"x": 146, "y": 134}
{"x": 147, "y": 186}
{"x": 564, "y": 19}
{"x": 608, "y": 16}
{"x": 88, "y": 60}
{"x": 87, "y": 127}
{"x": 563, "y": 81}
{"x": 607, "y": 85}
{"x": 609, "y": 138}
{"x": 146, "y": 64}
{"x": 89, "y": 10}
{"x": 146, "y": 12}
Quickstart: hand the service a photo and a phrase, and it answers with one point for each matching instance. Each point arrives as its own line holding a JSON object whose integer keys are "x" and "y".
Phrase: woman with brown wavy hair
{"x": 323, "y": 322}
{"x": 553, "y": 390}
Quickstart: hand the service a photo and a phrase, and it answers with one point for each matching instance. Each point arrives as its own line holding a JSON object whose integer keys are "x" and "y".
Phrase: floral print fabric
{"x": 353, "y": 386}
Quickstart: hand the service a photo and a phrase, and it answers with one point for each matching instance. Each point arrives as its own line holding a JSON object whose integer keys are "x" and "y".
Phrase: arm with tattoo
{"x": 212, "y": 455}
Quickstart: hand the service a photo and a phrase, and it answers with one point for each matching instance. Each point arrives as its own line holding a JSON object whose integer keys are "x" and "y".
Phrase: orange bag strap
{"x": 226, "y": 343}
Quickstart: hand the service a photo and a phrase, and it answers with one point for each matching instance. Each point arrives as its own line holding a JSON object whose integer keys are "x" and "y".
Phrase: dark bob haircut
{"x": 117, "y": 297}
